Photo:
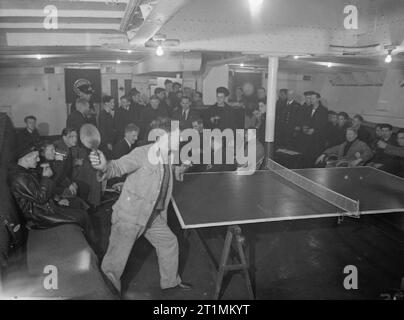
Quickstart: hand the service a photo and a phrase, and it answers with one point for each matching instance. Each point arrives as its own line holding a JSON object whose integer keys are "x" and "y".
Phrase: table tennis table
{"x": 232, "y": 199}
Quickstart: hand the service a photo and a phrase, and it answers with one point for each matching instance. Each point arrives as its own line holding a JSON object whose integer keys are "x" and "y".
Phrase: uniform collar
{"x": 129, "y": 144}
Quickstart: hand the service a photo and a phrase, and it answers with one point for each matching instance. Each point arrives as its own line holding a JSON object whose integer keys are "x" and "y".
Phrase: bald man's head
{"x": 248, "y": 89}
{"x": 291, "y": 94}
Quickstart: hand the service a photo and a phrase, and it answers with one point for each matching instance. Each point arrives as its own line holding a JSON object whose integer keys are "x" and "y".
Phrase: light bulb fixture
{"x": 159, "y": 50}
{"x": 329, "y": 64}
{"x": 129, "y": 51}
{"x": 242, "y": 64}
{"x": 296, "y": 57}
{"x": 118, "y": 61}
{"x": 254, "y": 3}
{"x": 388, "y": 58}
{"x": 38, "y": 56}
{"x": 255, "y": 6}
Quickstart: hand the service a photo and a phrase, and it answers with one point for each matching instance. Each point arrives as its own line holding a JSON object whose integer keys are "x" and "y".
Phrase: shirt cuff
{"x": 103, "y": 175}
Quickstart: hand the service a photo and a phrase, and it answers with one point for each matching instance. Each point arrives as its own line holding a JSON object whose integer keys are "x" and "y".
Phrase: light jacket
{"x": 142, "y": 185}
{"x": 356, "y": 147}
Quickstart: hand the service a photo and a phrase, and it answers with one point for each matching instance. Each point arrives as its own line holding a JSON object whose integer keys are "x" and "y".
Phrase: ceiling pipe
{"x": 162, "y": 12}
{"x": 242, "y": 58}
{"x": 129, "y": 12}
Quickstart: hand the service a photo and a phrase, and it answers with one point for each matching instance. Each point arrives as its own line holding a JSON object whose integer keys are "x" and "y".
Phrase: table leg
{"x": 233, "y": 234}
{"x": 244, "y": 264}
{"x": 233, "y": 239}
{"x": 223, "y": 262}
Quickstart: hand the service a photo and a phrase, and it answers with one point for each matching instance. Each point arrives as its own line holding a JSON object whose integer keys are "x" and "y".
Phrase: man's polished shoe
{"x": 112, "y": 283}
{"x": 182, "y": 286}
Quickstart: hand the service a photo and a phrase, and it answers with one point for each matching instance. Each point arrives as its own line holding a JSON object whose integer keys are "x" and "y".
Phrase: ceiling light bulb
{"x": 388, "y": 58}
{"x": 159, "y": 51}
{"x": 296, "y": 57}
{"x": 38, "y": 56}
{"x": 329, "y": 64}
{"x": 241, "y": 64}
{"x": 255, "y": 5}
{"x": 129, "y": 51}
{"x": 118, "y": 61}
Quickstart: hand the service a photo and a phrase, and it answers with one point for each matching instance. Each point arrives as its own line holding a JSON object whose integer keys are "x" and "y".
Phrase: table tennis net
{"x": 338, "y": 200}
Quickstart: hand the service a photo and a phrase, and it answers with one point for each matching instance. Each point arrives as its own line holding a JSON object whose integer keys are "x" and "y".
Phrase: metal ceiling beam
{"x": 163, "y": 11}
{"x": 61, "y": 13}
{"x": 175, "y": 62}
{"x": 99, "y": 1}
{"x": 106, "y": 5}
{"x": 61, "y": 26}
{"x": 129, "y": 12}
{"x": 85, "y": 39}
{"x": 241, "y": 58}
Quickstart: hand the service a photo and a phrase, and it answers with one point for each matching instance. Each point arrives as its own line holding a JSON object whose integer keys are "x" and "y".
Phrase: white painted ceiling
{"x": 101, "y": 31}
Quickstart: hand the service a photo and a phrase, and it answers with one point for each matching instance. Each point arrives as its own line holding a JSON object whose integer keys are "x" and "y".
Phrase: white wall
{"x": 375, "y": 104}
{"x": 216, "y": 76}
{"x": 189, "y": 80}
{"x": 122, "y": 73}
{"x": 293, "y": 81}
{"x": 41, "y": 95}
{"x": 141, "y": 83}
{"x": 31, "y": 92}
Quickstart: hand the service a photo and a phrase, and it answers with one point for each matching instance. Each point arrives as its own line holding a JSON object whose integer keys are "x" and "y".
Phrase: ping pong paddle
{"x": 90, "y": 137}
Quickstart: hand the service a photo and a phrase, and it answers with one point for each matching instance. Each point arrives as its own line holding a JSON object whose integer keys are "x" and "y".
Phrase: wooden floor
{"x": 291, "y": 260}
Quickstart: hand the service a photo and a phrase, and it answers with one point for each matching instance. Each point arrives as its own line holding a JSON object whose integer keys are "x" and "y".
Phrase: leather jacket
{"x": 33, "y": 196}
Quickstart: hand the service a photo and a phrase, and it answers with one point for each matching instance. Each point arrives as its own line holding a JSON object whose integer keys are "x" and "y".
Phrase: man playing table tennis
{"x": 142, "y": 207}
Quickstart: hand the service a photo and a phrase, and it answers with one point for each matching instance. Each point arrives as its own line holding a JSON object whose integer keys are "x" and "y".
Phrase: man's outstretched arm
{"x": 115, "y": 168}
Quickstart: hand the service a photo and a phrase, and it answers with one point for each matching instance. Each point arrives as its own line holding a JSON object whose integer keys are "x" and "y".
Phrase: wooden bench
{"x": 66, "y": 249}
